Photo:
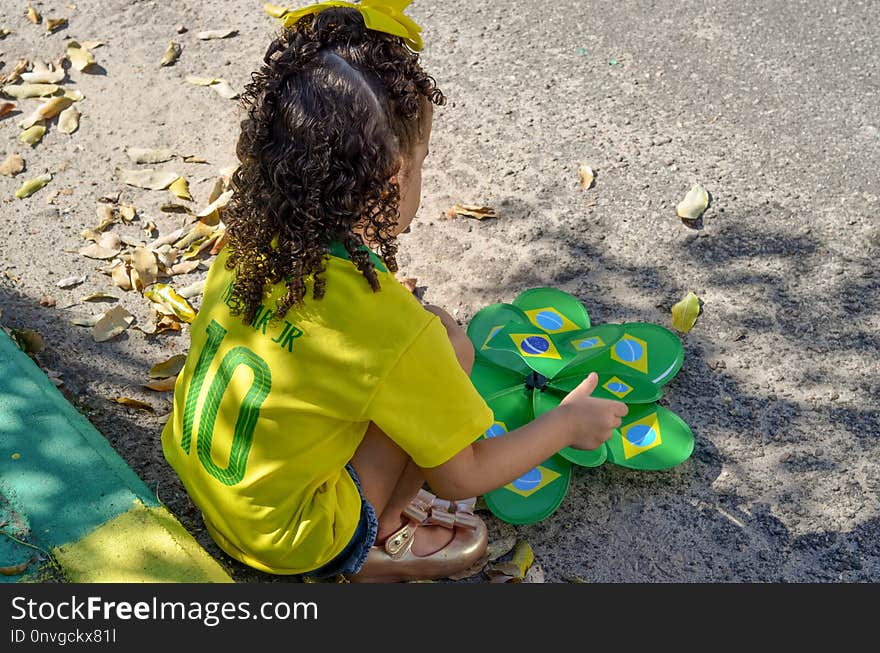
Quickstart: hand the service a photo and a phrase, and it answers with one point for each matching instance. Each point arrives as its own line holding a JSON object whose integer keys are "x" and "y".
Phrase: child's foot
{"x": 429, "y": 542}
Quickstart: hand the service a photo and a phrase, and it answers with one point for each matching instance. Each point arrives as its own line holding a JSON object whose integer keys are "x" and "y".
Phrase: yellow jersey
{"x": 267, "y": 414}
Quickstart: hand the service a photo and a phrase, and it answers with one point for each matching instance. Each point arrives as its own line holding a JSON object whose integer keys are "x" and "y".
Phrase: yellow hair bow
{"x": 379, "y": 15}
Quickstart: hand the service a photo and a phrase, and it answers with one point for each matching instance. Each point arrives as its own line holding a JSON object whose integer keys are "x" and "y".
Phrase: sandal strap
{"x": 400, "y": 541}
{"x": 427, "y": 508}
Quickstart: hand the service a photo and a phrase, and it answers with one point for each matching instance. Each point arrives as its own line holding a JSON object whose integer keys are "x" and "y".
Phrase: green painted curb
{"x": 59, "y": 477}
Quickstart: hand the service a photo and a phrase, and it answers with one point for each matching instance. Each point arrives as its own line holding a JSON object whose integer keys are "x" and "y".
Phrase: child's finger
{"x": 589, "y": 384}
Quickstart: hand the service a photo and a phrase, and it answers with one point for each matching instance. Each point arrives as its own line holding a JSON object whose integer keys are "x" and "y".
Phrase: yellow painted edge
{"x": 142, "y": 545}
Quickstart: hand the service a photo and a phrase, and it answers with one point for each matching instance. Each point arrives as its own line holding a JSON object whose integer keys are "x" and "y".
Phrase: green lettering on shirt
{"x": 261, "y": 319}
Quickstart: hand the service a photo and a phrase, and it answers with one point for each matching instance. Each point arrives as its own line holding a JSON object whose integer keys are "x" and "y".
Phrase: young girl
{"x": 319, "y": 396}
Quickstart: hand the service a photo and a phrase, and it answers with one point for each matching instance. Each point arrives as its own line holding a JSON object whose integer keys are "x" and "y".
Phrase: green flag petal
{"x": 490, "y": 379}
{"x": 583, "y": 345}
{"x": 650, "y": 437}
{"x": 553, "y": 310}
{"x": 487, "y": 322}
{"x": 538, "y": 493}
{"x": 534, "y": 347}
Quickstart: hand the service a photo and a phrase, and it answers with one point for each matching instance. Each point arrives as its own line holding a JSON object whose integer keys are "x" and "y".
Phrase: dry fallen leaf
{"x": 212, "y": 211}
{"x": 201, "y": 246}
{"x": 48, "y": 301}
{"x": 167, "y": 239}
{"x": 53, "y": 24}
{"x": 43, "y": 74}
{"x": 12, "y": 165}
{"x": 197, "y": 234}
{"x": 192, "y": 290}
{"x": 107, "y": 216}
{"x": 25, "y": 91}
{"x": 200, "y": 81}
{"x": 147, "y": 155}
{"x": 535, "y": 574}
{"x": 168, "y": 368}
{"x": 471, "y": 571}
{"x": 693, "y": 204}
{"x": 502, "y": 547}
{"x": 685, "y": 312}
{"x": 166, "y": 323}
{"x": 587, "y": 176}
{"x": 478, "y": 212}
{"x": 49, "y": 109}
{"x": 80, "y": 57}
{"x": 165, "y": 295}
{"x": 132, "y": 403}
{"x": 74, "y": 94}
{"x": 6, "y": 108}
{"x": 111, "y": 324}
{"x": 33, "y": 185}
{"x": 144, "y": 268}
{"x": 184, "y": 267}
{"x": 33, "y": 15}
{"x": 30, "y": 341}
{"x": 225, "y": 90}
{"x": 147, "y": 178}
{"x": 161, "y": 385}
{"x": 192, "y": 158}
{"x": 127, "y": 212}
{"x": 85, "y": 320}
{"x": 409, "y": 283}
{"x": 70, "y": 282}
{"x": 167, "y": 256}
{"x": 220, "y": 243}
{"x": 68, "y": 121}
{"x": 121, "y": 276}
{"x": 216, "y": 34}
{"x": 515, "y": 570}
{"x": 15, "y": 570}
{"x": 180, "y": 188}
{"x": 172, "y": 54}
{"x": 14, "y": 74}
{"x": 108, "y": 245}
{"x": 32, "y": 135}
{"x": 100, "y": 296}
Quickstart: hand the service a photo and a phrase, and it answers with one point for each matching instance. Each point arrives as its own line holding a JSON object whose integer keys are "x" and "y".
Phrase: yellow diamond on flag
{"x": 551, "y": 320}
{"x": 640, "y": 436}
{"x": 491, "y": 335}
{"x": 497, "y": 428}
{"x": 617, "y": 387}
{"x": 582, "y": 344}
{"x": 534, "y": 345}
{"x": 631, "y": 351}
{"x": 532, "y": 481}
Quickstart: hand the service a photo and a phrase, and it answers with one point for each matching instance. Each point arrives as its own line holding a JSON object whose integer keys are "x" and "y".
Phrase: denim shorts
{"x": 352, "y": 557}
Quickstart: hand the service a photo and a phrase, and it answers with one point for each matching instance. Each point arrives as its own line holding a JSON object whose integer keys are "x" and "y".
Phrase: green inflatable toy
{"x": 531, "y": 353}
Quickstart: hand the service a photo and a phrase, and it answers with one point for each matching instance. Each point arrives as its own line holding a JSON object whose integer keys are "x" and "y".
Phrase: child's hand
{"x": 592, "y": 419}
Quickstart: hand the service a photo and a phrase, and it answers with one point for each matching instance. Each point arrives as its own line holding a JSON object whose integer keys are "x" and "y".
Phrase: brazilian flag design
{"x": 534, "y": 351}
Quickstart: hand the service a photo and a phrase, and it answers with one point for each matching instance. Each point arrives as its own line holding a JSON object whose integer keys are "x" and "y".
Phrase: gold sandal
{"x": 394, "y": 561}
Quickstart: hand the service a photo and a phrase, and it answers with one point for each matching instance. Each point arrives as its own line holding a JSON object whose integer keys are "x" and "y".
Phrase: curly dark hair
{"x": 330, "y": 113}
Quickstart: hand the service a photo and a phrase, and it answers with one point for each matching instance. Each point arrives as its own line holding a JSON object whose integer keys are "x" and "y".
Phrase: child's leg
{"x": 389, "y": 478}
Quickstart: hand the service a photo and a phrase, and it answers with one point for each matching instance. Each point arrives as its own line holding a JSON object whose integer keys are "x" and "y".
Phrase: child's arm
{"x": 580, "y": 421}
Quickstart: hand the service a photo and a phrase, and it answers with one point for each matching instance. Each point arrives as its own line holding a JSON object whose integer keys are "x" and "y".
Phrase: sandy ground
{"x": 773, "y": 108}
